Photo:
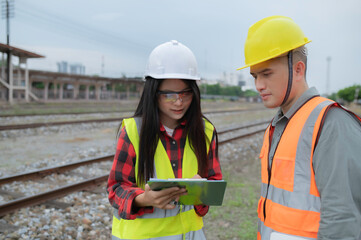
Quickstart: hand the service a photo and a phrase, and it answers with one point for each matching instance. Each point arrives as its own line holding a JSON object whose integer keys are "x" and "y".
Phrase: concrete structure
{"x": 15, "y": 86}
{"x": 62, "y": 86}
{"x": 23, "y": 84}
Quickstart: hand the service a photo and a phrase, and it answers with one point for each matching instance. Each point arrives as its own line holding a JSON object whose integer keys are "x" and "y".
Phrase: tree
{"x": 250, "y": 93}
{"x": 214, "y": 89}
{"x": 348, "y": 94}
{"x": 217, "y": 89}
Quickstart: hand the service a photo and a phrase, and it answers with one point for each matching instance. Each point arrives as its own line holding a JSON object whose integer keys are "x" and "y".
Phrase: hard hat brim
{"x": 271, "y": 57}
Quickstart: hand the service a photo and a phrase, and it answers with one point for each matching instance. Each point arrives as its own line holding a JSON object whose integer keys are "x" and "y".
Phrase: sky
{"x": 114, "y": 38}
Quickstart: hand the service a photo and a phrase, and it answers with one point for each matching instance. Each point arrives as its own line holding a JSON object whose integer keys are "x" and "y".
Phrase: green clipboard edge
{"x": 200, "y": 191}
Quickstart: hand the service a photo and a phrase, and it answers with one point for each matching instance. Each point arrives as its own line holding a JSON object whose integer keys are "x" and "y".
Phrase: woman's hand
{"x": 160, "y": 199}
{"x": 197, "y": 176}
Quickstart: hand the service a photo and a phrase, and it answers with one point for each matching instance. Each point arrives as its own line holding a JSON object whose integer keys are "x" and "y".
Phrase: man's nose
{"x": 259, "y": 83}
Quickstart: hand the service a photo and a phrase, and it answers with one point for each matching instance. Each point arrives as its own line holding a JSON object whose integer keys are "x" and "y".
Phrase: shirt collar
{"x": 309, "y": 93}
{"x": 182, "y": 124}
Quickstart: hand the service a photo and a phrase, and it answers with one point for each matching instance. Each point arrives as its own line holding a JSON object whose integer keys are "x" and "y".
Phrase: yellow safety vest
{"x": 161, "y": 223}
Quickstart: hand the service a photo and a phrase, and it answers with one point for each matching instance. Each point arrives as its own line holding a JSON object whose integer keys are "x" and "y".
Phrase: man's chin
{"x": 268, "y": 104}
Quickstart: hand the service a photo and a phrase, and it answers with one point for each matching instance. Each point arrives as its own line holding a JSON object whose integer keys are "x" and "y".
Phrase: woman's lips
{"x": 177, "y": 111}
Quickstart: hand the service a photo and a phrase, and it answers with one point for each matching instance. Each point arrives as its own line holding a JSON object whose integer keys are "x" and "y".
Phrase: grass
{"x": 237, "y": 217}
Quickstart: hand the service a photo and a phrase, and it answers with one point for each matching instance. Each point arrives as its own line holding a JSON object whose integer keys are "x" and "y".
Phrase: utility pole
{"x": 102, "y": 65}
{"x": 8, "y": 12}
{"x": 328, "y": 76}
{"x": 357, "y": 90}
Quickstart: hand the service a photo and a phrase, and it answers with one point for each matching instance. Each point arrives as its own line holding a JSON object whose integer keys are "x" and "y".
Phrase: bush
{"x": 348, "y": 94}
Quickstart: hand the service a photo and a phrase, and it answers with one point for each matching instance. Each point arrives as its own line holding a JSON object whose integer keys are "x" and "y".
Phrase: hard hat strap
{"x": 290, "y": 76}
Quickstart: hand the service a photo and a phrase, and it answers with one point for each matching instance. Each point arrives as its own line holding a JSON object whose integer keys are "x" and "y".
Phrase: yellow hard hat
{"x": 271, "y": 37}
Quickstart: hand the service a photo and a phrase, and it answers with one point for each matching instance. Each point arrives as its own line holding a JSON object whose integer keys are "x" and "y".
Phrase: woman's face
{"x": 174, "y": 99}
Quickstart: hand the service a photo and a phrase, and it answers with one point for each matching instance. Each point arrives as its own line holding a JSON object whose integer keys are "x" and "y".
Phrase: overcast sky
{"x": 124, "y": 33}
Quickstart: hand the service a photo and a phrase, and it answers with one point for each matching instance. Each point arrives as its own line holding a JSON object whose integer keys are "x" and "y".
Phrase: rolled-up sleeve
{"x": 122, "y": 188}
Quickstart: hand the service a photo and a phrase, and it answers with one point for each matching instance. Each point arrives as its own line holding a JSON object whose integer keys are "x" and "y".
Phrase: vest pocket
{"x": 283, "y": 173}
{"x": 260, "y": 209}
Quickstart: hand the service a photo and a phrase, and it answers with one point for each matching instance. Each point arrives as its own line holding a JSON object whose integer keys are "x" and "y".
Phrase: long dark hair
{"x": 149, "y": 134}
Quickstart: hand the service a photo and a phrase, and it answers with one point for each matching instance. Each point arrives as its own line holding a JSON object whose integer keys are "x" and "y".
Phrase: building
{"x": 17, "y": 83}
{"x": 74, "y": 68}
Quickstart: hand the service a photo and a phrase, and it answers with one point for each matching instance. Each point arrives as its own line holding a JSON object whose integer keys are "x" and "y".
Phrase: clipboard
{"x": 200, "y": 191}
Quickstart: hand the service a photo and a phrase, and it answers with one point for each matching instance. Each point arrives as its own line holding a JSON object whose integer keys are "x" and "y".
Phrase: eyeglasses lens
{"x": 173, "y": 97}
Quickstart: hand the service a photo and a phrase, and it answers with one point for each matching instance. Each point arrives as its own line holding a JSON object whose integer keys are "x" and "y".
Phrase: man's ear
{"x": 299, "y": 70}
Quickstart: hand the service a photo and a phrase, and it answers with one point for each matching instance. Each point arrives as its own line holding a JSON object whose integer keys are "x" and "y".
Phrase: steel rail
{"x": 50, "y": 195}
{"x": 65, "y": 113}
{"x": 39, "y": 173}
{"x": 221, "y": 142}
{"x": 49, "y": 124}
{"x": 241, "y": 127}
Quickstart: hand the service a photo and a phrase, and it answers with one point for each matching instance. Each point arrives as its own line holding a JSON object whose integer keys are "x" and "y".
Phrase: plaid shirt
{"x": 122, "y": 188}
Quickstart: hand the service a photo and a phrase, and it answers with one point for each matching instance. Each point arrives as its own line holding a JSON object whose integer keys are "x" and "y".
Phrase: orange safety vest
{"x": 290, "y": 201}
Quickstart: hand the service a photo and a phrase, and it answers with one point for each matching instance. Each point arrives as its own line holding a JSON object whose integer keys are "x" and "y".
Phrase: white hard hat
{"x": 172, "y": 60}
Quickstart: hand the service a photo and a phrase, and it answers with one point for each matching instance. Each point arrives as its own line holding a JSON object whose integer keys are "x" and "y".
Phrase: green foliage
{"x": 231, "y": 91}
{"x": 348, "y": 94}
{"x": 217, "y": 89}
{"x": 333, "y": 96}
{"x": 250, "y": 93}
{"x": 39, "y": 85}
{"x": 120, "y": 87}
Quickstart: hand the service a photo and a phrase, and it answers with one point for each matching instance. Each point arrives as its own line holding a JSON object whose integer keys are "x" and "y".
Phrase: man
{"x": 311, "y": 154}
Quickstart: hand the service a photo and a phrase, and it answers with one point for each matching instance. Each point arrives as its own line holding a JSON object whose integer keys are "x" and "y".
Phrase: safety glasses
{"x": 172, "y": 97}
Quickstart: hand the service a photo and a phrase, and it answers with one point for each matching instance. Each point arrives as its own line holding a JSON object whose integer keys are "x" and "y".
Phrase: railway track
{"x": 113, "y": 119}
{"x": 36, "y": 199}
{"x": 58, "y": 113}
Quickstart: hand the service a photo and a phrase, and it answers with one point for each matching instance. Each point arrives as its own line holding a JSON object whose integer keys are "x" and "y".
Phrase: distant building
{"x": 74, "y": 68}
{"x": 77, "y": 68}
{"x": 62, "y": 67}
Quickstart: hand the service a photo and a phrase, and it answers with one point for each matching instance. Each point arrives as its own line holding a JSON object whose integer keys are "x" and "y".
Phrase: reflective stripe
{"x": 266, "y": 232}
{"x": 160, "y": 213}
{"x": 288, "y": 199}
{"x": 291, "y": 206}
{"x": 196, "y": 235}
{"x": 145, "y": 228}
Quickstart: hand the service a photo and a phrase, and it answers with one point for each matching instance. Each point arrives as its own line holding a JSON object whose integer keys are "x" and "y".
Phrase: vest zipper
{"x": 269, "y": 175}
{"x": 269, "y": 149}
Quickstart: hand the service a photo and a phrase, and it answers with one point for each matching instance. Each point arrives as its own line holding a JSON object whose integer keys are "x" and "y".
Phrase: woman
{"x": 168, "y": 137}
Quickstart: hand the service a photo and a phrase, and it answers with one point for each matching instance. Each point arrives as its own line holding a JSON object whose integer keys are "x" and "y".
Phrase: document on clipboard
{"x": 200, "y": 191}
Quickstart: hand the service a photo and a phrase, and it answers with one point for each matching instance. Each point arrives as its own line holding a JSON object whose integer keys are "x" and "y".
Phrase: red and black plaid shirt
{"x": 122, "y": 188}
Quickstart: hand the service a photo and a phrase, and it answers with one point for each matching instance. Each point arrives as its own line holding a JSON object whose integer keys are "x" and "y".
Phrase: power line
{"x": 7, "y": 10}
{"x": 77, "y": 29}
